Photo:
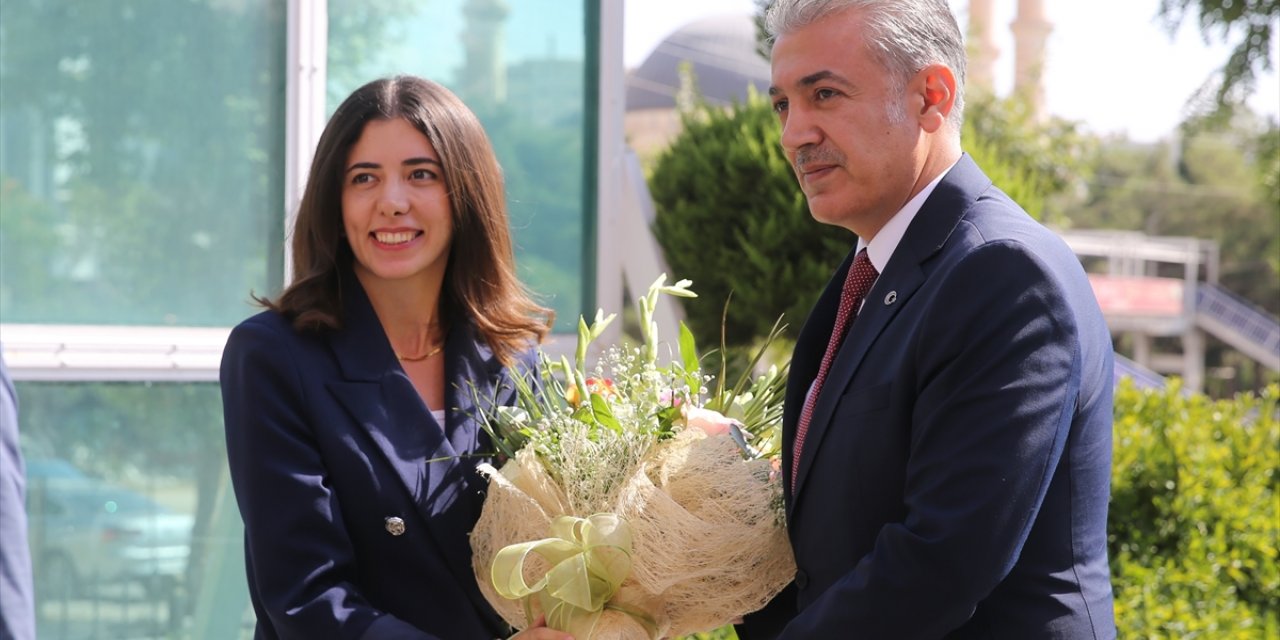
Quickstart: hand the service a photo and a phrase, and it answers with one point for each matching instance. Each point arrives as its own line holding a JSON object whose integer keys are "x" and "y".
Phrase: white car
{"x": 86, "y": 533}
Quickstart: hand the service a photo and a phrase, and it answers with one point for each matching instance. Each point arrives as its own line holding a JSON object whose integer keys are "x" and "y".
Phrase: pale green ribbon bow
{"x": 590, "y": 558}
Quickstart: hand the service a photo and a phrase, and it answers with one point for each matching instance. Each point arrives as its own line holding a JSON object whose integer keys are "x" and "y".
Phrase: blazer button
{"x": 802, "y": 579}
{"x": 395, "y": 526}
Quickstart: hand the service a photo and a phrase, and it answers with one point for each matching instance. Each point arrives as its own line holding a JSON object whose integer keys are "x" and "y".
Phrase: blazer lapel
{"x": 903, "y": 276}
{"x": 473, "y": 376}
{"x": 423, "y": 455}
{"x": 381, "y": 398}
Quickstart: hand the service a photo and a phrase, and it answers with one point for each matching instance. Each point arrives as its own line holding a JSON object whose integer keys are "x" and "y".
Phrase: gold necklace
{"x": 404, "y": 358}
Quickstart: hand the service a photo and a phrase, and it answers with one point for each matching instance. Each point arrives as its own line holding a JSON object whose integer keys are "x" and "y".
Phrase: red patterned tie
{"x": 856, "y": 285}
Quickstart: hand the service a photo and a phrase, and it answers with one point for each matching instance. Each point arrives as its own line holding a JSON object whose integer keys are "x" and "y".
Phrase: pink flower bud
{"x": 668, "y": 398}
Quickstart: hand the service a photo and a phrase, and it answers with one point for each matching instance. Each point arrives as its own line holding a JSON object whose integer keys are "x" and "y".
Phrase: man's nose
{"x": 799, "y": 130}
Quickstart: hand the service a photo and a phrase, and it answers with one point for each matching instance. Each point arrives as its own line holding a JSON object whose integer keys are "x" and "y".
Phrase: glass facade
{"x": 521, "y": 66}
{"x": 143, "y": 184}
{"x": 140, "y": 175}
{"x": 131, "y": 522}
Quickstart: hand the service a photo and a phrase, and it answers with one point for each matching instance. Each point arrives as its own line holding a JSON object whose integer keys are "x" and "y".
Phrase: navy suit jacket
{"x": 17, "y": 598}
{"x": 955, "y": 477}
{"x": 327, "y": 438}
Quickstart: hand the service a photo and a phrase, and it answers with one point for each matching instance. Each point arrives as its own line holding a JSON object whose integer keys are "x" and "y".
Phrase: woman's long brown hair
{"x": 480, "y": 284}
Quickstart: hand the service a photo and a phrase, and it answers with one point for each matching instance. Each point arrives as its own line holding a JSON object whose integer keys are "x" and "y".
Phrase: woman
{"x": 351, "y": 403}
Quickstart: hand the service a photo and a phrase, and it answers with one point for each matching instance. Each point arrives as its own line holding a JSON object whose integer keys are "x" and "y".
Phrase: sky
{"x": 1112, "y": 66}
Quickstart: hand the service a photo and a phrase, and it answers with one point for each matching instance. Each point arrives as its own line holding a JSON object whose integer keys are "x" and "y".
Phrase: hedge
{"x": 1194, "y": 513}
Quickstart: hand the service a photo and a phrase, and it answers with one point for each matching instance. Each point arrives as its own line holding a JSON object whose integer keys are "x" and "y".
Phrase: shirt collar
{"x": 886, "y": 241}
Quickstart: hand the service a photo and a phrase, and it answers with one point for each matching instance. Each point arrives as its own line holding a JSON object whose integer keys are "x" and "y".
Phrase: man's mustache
{"x": 808, "y": 156}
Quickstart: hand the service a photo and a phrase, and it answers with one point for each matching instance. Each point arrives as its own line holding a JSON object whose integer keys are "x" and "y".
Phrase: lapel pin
{"x": 395, "y": 526}
{"x": 890, "y": 298}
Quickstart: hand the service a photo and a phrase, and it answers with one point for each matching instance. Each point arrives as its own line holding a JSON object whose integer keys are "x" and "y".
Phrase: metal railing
{"x": 1239, "y": 323}
{"x": 1142, "y": 377}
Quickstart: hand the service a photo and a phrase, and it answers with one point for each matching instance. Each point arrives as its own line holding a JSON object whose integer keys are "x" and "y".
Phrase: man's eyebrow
{"x": 812, "y": 79}
{"x": 819, "y": 76}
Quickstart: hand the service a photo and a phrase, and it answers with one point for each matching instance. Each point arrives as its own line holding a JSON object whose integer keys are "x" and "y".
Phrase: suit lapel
{"x": 805, "y": 361}
{"x": 903, "y": 276}
{"x": 867, "y": 326}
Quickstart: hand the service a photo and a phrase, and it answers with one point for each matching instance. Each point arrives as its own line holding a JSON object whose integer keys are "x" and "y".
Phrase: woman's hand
{"x": 540, "y": 631}
{"x": 712, "y": 423}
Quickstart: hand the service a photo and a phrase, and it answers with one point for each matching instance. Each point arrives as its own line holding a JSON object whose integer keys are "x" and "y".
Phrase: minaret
{"x": 1030, "y": 34}
{"x": 980, "y": 74}
{"x": 483, "y": 76}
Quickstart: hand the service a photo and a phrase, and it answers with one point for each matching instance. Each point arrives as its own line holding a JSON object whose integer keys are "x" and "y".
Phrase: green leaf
{"x": 584, "y": 339}
{"x": 603, "y": 414}
{"x": 688, "y": 349}
{"x": 666, "y": 418}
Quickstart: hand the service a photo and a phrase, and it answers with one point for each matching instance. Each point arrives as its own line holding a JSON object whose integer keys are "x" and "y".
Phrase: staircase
{"x": 1239, "y": 324}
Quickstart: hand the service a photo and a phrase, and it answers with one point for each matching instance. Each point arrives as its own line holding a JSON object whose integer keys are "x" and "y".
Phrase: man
{"x": 947, "y": 469}
{"x": 17, "y": 612}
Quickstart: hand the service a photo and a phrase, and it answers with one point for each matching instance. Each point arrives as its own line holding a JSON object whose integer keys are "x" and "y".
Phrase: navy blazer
{"x": 955, "y": 477}
{"x": 327, "y": 438}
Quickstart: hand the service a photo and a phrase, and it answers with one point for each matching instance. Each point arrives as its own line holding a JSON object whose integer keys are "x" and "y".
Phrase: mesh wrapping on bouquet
{"x": 708, "y": 544}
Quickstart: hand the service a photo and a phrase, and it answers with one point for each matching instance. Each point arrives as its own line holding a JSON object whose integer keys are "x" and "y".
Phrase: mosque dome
{"x": 722, "y": 52}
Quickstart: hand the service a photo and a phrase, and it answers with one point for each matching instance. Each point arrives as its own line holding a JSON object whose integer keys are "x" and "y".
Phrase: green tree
{"x": 155, "y": 156}
{"x": 731, "y": 218}
{"x": 1205, "y": 185}
{"x": 762, "y": 36}
{"x": 1268, "y": 150}
{"x": 542, "y": 166}
{"x": 1201, "y": 186}
{"x": 1039, "y": 164}
{"x": 1248, "y": 26}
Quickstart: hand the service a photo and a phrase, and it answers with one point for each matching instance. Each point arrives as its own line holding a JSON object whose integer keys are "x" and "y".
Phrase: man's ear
{"x": 935, "y": 88}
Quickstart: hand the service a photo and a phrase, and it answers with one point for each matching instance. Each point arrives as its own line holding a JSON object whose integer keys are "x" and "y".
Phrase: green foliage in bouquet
{"x": 630, "y": 400}
{"x": 632, "y": 485}
{"x": 1194, "y": 513}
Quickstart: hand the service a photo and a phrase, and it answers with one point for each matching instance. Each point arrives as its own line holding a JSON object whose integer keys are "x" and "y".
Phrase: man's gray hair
{"x": 904, "y": 35}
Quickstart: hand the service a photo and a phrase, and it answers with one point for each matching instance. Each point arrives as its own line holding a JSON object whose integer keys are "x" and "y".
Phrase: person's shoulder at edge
{"x": 268, "y": 318}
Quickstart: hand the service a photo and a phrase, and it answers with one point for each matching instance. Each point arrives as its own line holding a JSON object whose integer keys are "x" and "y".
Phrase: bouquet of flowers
{"x": 635, "y": 501}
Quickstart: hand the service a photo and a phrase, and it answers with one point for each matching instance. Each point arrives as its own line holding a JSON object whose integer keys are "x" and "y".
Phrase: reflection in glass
{"x": 519, "y": 64}
{"x": 141, "y": 160}
{"x": 123, "y": 489}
